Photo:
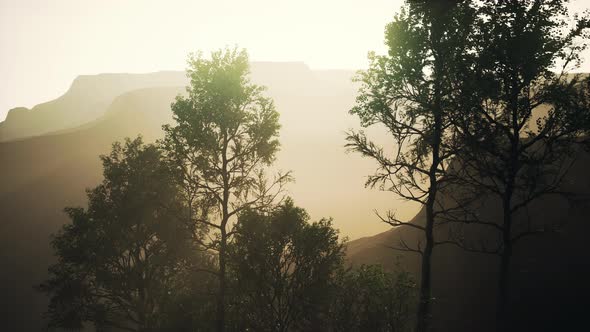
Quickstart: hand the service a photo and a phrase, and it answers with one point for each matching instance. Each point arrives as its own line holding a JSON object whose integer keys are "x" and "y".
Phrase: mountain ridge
{"x": 89, "y": 95}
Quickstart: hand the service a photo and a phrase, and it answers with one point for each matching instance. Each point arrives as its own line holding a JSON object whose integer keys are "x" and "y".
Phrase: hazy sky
{"x": 46, "y": 44}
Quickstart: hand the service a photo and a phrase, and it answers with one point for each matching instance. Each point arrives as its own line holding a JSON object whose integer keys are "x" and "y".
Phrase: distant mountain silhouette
{"x": 90, "y": 96}
{"x": 550, "y": 271}
{"x": 86, "y": 100}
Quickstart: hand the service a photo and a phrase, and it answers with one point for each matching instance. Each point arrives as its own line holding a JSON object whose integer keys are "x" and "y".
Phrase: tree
{"x": 520, "y": 118}
{"x": 410, "y": 92}
{"x": 283, "y": 268}
{"x": 370, "y": 299}
{"x": 120, "y": 259}
{"x": 225, "y": 133}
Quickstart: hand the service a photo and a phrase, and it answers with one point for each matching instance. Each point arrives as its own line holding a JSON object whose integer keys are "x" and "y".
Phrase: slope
{"x": 550, "y": 271}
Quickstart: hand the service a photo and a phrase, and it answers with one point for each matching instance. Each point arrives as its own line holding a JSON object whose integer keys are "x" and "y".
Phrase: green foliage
{"x": 370, "y": 299}
{"x": 119, "y": 261}
{"x": 283, "y": 268}
{"x": 225, "y": 130}
{"x": 523, "y": 53}
{"x": 410, "y": 92}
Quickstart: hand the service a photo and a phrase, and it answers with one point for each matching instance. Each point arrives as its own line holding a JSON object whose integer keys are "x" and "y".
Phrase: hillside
{"x": 550, "y": 271}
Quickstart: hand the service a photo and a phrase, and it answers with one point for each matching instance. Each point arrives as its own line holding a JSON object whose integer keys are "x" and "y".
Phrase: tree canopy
{"x": 118, "y": 259}
{"x": 283, "y": 268}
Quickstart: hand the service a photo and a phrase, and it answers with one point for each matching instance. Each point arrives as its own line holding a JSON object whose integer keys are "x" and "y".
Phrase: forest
{"x": 479, "y": 100}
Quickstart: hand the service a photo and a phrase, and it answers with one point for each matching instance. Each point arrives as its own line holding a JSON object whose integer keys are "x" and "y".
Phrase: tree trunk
{"x": 423, "y": 319}
{"x": 503, "y": 289}
{"x": 222, "y": 283}
{"x": 506, "y": 254}
{"x": 424, "y": 306}
{"x": 222, "y": 266}
{"x": 223, "y": 241}
{"x": 504, "y": 268}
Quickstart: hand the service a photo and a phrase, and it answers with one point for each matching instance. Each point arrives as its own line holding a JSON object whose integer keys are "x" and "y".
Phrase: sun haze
{"x": 46, "y": 44}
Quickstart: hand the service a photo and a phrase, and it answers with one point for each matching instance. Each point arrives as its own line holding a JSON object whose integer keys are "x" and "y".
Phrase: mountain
{"x": 42, "y": 174}
{"x": 550, "y": 272}
{"x": 90, "y": 96}
{"x": 86, "y": 100}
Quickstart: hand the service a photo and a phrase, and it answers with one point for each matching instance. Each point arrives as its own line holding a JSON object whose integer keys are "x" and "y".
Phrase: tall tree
{"x": 119, "y": 259}
{"x": 284, "y": 268}
{"x": 521, "y": 114}
{"x": 409, "y": 92}
{"x": 225, "y": 134}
